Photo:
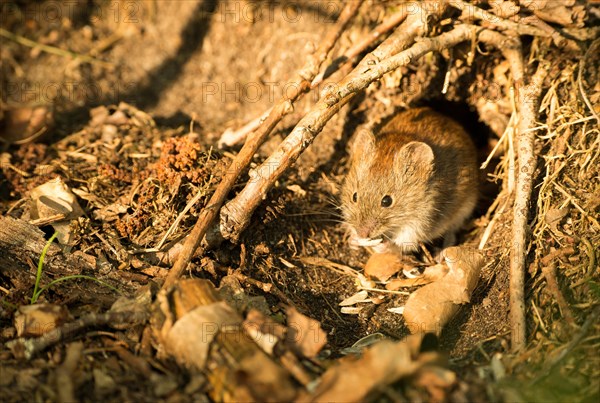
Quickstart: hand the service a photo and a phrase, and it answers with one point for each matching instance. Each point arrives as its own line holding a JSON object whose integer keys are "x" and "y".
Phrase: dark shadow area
{"x": 147, "y": 94}
{"x": 164, "y": 76}
{"x": 176, "y": 120}
{"x": 468, "y": 118}
{"x": 158, "y": 81}
{"x": 481, "y": 134}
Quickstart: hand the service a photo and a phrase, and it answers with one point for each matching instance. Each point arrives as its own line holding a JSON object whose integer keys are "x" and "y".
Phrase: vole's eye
{"x": 354, "y": 197}
{"x": 386, "y": 201}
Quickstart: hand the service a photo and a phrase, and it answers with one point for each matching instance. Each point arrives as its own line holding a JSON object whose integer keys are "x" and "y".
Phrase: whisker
{"x": 332, "y": 200}
{"x": 321, "y": 212}
{"x": 323, "y": 215}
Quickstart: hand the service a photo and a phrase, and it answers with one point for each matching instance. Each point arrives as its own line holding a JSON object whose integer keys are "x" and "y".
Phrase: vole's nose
{"x": 366, "y": 229}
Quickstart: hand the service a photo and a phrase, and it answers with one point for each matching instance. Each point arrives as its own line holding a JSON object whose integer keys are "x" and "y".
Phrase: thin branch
{"x": 360, "y": 47}
{"x": 549, "y": 272}
{"x": 242, "y": 160}
{"x": 474, "y": 12}
{"x": 231, "y": 137}
{"x": 528, "y": 103}
{"x": 28, "y": 347}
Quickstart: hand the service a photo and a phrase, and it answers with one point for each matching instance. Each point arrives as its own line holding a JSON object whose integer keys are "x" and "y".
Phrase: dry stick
{"x": 549, "y": 272}
{"x": 381, "y": 29}
{"x": 528, "y": 102}
{"x": 242, "y": 160}
{"x": 556, "y": 36}
{"x": 27, "y": 348}
{"x": 235, "y": 215}
{"x": 231, "y": 137}
{"x": 480, "y": 14}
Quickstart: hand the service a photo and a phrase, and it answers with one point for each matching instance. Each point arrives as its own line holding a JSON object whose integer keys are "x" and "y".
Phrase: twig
{"x": 242, "y": 160}
{"x": 51, "y": 49}
{"x": 480, "y": 14}
{"x": 511, "y": 174}
{"x": 501, "y": 140}
{"x": 27, "y": 348}
{"x": 231, "y": 137}
{"x": 557, "y": 38}
{"x": 199, "y": 194}
{"x": 556, "y": 254}
{"x": 528, "y": 100}
{"x": 360, "y": 47}
{"x": 235, "y": 215}
{"x": 40, "y": 222}
{"x": 266, "y": 287}
{"x": 497, "y": 214}
{"x": 550, "y": 276}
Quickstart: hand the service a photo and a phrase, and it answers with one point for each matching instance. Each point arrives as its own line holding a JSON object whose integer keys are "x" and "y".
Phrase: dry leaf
{"x": 430, "y": 307}
{"x": 39, "y": 319}
{"x": 382, "y": 266}
{"x": 189, "y": 339}
{"x": 351, "y": 310}
{"x": 304, "y": 334}
{"x": 55, "y": 203}
{"x": 382, "y": 364}
{"x": 553, "y": 218}
{"x": 264, "y": 331}
{"x": 361, "y": 296}
{"x": 203, "y": 333}
{"x": 108, "y": 213}
{"x": 259, "y": 380}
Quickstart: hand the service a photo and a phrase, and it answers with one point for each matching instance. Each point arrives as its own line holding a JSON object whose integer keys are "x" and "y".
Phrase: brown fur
{"x": 433, "y": 185}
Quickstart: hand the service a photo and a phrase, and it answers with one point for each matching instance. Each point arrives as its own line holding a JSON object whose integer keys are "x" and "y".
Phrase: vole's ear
{"x": 363, "y": 143}
{"x": 415, "y": 156}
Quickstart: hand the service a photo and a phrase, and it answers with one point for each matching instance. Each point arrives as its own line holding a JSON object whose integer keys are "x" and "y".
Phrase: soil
{"x": 136, "y": 139}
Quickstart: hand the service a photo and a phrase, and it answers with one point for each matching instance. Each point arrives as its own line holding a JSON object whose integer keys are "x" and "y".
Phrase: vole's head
{"x": 387, "y": 189}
